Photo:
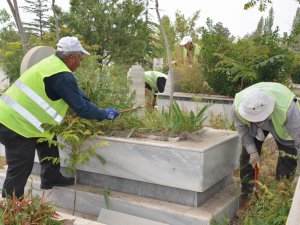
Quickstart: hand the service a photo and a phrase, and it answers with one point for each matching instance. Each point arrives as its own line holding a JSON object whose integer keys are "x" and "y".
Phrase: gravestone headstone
{"x": 35, "y": 55}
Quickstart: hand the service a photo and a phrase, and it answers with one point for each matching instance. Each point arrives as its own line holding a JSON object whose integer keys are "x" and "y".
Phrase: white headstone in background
{"x": 136, "y": 75}
{"x": 35, "y": 55}
{"x": 4, "y": 81}
{"x": 158, "y": 64}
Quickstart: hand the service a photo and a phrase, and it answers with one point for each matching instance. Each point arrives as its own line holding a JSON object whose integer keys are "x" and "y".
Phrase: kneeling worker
{"x": 154, "y": 82}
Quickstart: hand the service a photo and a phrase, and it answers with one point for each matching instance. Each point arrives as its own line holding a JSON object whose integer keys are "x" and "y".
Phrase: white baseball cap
{"x": 185, "y": 40}
{"x": 70, "y": 44}
{"x": 256, "y": 105}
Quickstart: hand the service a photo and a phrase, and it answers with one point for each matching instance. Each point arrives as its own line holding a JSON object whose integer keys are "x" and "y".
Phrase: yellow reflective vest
{"x": 25, "y": 106}
{"x": 283, "y": 99}
{"x": 151, "y": 79}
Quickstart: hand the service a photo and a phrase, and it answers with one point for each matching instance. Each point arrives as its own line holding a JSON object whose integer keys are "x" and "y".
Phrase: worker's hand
{"x": 112, "y": 114}
{"x": 254, "y": 159}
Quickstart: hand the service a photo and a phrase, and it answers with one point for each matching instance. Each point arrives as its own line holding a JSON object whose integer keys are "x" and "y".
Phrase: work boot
{"x": 61, "y": 181}
{"x": 244, "y": 199}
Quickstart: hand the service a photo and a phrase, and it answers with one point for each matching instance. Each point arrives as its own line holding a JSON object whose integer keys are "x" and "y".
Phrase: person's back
{"x": 155, "y": 82}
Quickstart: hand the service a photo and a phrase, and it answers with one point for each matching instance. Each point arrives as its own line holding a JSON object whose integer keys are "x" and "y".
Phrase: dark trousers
{"x": 286, "y": 166}
{"x": 20, "y": 153}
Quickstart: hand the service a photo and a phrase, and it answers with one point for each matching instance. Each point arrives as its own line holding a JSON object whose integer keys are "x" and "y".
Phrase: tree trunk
{"x": 56, "y": 21}
{"x": 170, "y": 75}
{"x": 15, "y": 11}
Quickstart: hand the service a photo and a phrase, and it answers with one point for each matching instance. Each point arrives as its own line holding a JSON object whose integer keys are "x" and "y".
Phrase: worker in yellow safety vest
{"x": 154, "y": 83}
{"x": 261, "y": 109}
{"x": 191, "y": 50}
{"x": 42, "y": 95}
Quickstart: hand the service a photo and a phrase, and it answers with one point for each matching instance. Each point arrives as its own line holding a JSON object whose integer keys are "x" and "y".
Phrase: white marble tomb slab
{"x": 193, "y": 166}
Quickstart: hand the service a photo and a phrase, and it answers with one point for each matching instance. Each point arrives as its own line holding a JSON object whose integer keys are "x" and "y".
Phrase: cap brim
{"x": 85, "y": 52}
{"x": 262, "y": 115}
{"x": 183, "y": 43}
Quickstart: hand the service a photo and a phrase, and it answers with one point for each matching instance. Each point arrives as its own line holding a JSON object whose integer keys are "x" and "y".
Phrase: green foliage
{"x": 262, "y": 4}
{"x": 11, "y": 52}
{"x": 229, "y": 67}
{"x": 295, "y": 74}
{"x": 74, "y": 132}
{"x": 273, "y": 205}
{"x": 105, "y": 86}
{"x": 118, "y": 28}
{"x": 30, "y": 210}
{"x": 278, "y": 62}
{"x": 174, "y": 121}
{"x": 215, "y": 42}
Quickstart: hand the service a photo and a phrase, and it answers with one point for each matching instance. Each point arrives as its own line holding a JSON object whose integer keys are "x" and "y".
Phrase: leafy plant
{"x": 274, "y": 197}
{"x": 273, "y": 205}
{"x": 73, "y": 134}
{"x": 174, "y": 121}
{"x": 29, "y": 210}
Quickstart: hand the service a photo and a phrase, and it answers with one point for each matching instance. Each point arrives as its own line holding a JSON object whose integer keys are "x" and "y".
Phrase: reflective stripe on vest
{"x": 23, "y": 112}
{"x": 26, "y": 106}
{"x": 154, "y": 86}
{"x": 38, "y": 100}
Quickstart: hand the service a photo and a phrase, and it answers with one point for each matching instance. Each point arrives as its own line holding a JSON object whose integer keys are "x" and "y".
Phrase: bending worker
{"x": 191, "y": 51}
{"x": 260, "y": 109}
{"x": 42, "y": 95}
{"x": 154, "y": 82}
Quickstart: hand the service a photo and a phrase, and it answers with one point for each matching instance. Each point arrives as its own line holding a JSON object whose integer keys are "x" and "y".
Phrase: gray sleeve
{"x": 244, "y": 134}
{"x": 292, "y": 124}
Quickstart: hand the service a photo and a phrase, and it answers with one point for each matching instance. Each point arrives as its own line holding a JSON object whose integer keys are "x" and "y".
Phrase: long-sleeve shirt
{"x": 292, "y": 125}
{"x": 64, "y": 86}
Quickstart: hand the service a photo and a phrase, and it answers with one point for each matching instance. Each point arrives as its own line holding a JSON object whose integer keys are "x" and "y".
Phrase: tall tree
{"x": 53, "y": 7}
{"x": 269, "y": 22}
{"x": 168, "y": 56}
{"x": 15, "y": 12}
{"x": 295, "y": 34}
{"x": 259, "y": 28}
{"x": 39, "y": 9}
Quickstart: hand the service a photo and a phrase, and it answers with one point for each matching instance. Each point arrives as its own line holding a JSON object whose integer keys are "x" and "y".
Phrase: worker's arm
{"x": 244, "y": 133}
{"x": 292, "y": 124}
{"x": 64, "y": 86}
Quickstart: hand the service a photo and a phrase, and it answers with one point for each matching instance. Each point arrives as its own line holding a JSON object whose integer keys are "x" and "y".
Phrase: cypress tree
{"x": 40, "y": 20}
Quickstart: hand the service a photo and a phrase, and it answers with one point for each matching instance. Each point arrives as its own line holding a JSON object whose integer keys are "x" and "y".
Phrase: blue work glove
{"x": 112, "y": 114}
